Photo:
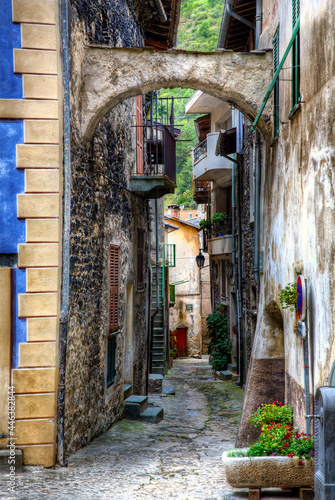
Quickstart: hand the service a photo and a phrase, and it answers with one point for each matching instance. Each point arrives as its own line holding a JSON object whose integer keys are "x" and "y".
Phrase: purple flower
{"x": 296, "y": 437}
{"x": 312, "y": 453}
{"x": 273, "y": 454}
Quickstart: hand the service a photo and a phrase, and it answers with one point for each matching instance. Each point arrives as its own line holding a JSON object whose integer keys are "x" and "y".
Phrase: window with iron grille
{"x": 295, "y": 58}
{"x": 275, "y": 42}
{"x": 111, "y": 357}
{"x": 140, "y": 259}
{"x": 114, "y": 289}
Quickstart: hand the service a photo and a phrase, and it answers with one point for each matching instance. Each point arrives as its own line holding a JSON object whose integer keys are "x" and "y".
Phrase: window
{"x": 295, "y": 59}
{"x": 114, "y": 289}
{"x": 111, "y": 351}
{"x": 172, "y": 294}
{"x": 140, "y": 259}
{"x": 275, "y": 42}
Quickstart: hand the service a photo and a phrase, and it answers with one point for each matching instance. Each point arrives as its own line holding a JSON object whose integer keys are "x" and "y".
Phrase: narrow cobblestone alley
{"x": 179, "y": 458}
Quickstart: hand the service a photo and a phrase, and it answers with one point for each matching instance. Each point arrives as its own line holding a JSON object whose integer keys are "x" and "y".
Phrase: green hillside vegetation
{"x": 199, "y": 24}
{"x": 198, "y": 30}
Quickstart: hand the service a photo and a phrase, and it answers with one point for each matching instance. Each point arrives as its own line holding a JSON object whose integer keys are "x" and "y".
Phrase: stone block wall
{"x": 104, "y": 212}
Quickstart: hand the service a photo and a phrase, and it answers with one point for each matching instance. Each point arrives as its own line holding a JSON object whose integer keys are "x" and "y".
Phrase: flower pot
{"x": 268, "y": 472}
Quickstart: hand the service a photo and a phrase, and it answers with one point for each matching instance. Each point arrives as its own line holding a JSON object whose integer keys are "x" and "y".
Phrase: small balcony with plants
{"x": 218, "y": 234}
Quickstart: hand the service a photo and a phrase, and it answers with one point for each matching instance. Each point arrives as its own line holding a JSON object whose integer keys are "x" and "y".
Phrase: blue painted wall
{"x": 19, "y": 330}
{"x": 10, "y": 38}
{"x": 12, "y": 230}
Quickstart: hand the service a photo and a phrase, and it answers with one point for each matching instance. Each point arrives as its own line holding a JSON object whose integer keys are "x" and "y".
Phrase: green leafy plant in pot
{"x": 219, "y": 346}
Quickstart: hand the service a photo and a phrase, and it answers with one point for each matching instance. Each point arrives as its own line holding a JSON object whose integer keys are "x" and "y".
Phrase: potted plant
{"x": 219, "y": 346}
{"x": 288, "y": 300}
{"x": 218, "y": 217}
{"x": 281, "y": 457}
{"x": 205, "y": 224}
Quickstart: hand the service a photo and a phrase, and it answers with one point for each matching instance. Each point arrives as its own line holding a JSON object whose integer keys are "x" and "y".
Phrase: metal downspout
{"x": 257, "y": 208}
{"x": 64, "y": 308}
{"x": 241, "y": 322}
{"x": 257, "y": 162}
{"x": 306, "y": 367}
{"x": 258, "y": 22}
{"x": 161, "y": 11}
{"x": 238, "y": 283}
{"x": 235, "y": 265}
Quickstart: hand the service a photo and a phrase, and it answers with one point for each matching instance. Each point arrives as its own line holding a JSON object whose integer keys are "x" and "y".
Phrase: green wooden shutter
{"x": 173, "y": 293}
{"x": 275, "y": 42}
{"x": 114, "y": 289}
{"x": 295, "y": 58}
{"x": 295, "y": 12}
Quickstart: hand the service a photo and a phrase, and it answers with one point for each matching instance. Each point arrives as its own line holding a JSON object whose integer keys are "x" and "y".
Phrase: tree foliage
{"x": 199, "y": 29}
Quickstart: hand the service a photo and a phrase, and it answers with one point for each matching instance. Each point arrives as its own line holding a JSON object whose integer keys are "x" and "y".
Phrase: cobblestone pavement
{"x": 179, "y": 458}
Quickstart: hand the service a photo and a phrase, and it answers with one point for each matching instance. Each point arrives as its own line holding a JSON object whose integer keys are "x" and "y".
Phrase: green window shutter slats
{"x": 295, "y": 12}
{"x": 114, "y": 289}
{"x": 295, "y": 57}
{"x": 275, "y": 42}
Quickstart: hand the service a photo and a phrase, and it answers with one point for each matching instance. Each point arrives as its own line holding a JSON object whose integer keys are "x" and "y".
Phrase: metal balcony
{"x": 209, "y": 167}
{"x": 159, "y": 172}
{"x": 201, "y": 191}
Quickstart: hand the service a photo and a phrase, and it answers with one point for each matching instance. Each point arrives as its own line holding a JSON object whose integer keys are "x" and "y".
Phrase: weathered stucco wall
{"x": 187, "y": 248}
{"x": 297, "y": 211}
{"x": 103, "y": 212}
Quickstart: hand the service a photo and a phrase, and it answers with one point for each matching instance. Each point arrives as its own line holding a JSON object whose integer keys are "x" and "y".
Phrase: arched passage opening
{"x": 239, "y": 79}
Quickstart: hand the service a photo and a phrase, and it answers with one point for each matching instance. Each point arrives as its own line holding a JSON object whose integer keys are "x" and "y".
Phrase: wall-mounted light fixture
{"x": 200, "y": 260}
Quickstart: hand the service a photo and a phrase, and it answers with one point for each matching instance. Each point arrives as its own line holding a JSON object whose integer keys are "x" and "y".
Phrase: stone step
{"x": 134, "y": 406}
{"x": 158, "y": 369}
{"x": 158, "y": 352}
{"x": 232, "y": 367}
{"x": 127, "y": 390}
{"x": 157, "y": 359}
{"x": 226, "y": 375}
{"x": 152, "y": 415}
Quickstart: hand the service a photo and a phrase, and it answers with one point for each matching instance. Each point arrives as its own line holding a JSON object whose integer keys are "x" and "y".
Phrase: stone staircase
{"x": 158, "y": 365}
{"x": 230, "y": 373}
{"x": 136, "y": 408}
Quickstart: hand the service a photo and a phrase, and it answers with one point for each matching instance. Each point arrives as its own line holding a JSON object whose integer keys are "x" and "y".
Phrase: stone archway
{"x": 110, "y": 76}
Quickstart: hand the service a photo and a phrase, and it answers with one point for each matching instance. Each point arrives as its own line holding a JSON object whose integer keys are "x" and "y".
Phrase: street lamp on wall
{"x": 200, "y": 260}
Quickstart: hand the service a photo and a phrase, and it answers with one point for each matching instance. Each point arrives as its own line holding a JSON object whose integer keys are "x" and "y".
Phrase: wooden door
{"x": 181, "y": 342}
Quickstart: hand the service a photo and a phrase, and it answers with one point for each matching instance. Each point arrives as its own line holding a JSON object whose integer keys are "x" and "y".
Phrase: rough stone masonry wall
{"x": 103, "y": 212}
{"x": 250, "y": 289}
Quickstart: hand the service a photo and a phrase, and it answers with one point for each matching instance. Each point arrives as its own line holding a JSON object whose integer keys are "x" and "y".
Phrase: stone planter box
{"x": 268, "y": 472}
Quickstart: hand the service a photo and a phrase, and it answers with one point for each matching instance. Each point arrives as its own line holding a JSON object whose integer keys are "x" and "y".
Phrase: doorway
{"x": 181, "y": 342}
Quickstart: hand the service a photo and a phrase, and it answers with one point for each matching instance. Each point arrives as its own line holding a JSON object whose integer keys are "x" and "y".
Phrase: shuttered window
{"x": 275, "y": 42}
{"x": 114, "y": 289}
{"x": 140, "y": 259}
{"x": 139, "y": 135}
{"x": 295, "y": 58}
